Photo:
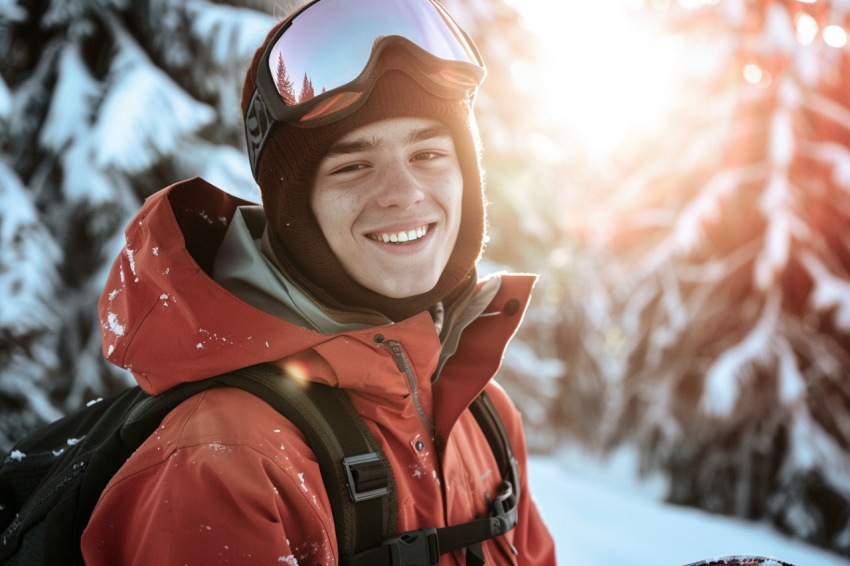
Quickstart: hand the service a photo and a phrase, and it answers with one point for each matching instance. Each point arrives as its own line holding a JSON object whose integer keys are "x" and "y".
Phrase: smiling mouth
{"x": 402, "y": 237}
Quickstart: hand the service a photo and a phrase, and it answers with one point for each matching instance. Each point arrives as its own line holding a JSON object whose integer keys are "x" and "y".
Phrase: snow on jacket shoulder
{"x": 228, "y": 480}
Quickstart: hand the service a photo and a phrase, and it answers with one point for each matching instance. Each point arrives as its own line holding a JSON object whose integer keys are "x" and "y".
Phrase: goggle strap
{"x": 258, "y": 124}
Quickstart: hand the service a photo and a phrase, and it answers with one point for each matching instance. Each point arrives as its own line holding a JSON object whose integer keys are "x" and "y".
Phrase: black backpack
{"x": 52, "y": 479}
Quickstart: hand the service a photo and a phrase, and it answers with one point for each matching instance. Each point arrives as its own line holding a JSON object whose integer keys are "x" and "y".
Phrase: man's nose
{"x": 398, "y": 187}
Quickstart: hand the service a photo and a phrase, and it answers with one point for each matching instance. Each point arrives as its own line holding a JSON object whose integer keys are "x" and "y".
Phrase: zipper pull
{"x": 395, "y": 347}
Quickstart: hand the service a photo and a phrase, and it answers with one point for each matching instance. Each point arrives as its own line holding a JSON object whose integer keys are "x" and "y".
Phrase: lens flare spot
{"x": 752, "y": 74}
{"x": 807, "y": 29}
{"x": 835, "y": 36}
{"x": 297, "y": 370}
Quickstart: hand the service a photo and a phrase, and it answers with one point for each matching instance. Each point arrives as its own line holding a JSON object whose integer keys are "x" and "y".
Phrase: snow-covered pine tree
{"x": 102, "y": 102}
{"x": 735, "y": 307}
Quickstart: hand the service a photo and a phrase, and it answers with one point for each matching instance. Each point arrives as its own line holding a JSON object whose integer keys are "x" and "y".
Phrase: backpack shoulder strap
{"x": 356, "y": 473}
{"x": 493, "y": 427}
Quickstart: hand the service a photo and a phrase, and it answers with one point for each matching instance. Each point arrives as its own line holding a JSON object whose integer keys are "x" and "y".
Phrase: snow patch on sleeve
{"x": 114, "y": 327}
{"x": 132, "y": 260}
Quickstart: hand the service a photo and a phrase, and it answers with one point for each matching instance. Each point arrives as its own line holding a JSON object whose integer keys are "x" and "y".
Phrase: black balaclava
{"x": 291, "y": 158}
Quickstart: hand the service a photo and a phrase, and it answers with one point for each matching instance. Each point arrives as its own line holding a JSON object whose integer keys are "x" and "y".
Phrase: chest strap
{"x": 424, "y": 547}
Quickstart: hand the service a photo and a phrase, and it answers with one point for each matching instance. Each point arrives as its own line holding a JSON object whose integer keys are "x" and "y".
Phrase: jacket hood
{"x": 167, "y": 321}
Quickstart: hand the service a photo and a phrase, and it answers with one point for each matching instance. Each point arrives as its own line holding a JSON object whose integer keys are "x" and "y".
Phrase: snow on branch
{"x": 705, "y": 209}
{"x": 828, "y": 108}
{"x": 722, "y": 378}
{"x": 811, "y": 447}
{"x": 782, "y": 226}
{"x": 63, "y": 12}
{"x": 834, "y": 154}
{"x": 24, "y": 380}
{"x": 778, "y": 33}
{"x": 222, "y": 165}
{"x": 144, "y": 113}
{"x": 231, "y": 34}
{"x": 5, "y": 100}
{"x": 830, "y": 291}
{"x": 67, "y": 130}
{"x": 781, "y": 138}
{"x": 72, "y": 102}
{"x": 713, "y": 271}
{"x": 28, "y": 259}
{"x": 11, "y": 11}
{"x": 792, "y": 384}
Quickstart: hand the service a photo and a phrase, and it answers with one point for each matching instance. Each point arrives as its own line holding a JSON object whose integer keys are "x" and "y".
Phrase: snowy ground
{"x": 601, "y": 516}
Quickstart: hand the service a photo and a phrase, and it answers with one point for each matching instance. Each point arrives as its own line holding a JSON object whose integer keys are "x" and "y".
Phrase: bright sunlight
{"x": 601, "y": 77}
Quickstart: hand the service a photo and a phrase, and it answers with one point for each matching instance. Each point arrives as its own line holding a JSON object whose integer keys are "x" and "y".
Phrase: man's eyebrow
{"x": 363, "y": 144}
{"x": 438, "y": 131}
{"x": 344, "y": 148}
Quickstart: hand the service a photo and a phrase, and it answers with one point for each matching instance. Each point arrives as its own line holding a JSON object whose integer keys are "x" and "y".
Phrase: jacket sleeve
{"x": 533, "y": 542}
{"x": 210, "y": 504}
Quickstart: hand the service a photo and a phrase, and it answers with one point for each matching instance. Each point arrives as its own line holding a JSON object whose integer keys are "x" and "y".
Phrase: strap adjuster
{"x": 415, "y": 548}
{"x": 367, "y": 476}
{"x": 504, "y": 516}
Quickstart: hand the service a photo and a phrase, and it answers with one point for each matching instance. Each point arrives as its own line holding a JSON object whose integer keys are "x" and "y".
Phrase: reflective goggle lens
{"x": 330, "y": 43}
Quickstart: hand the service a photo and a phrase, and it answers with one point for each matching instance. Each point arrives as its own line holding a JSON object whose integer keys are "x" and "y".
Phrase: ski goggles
{"x": 321, "y": 61}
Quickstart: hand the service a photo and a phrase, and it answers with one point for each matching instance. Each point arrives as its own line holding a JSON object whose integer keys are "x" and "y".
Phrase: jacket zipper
{"x": 404, "y": 367}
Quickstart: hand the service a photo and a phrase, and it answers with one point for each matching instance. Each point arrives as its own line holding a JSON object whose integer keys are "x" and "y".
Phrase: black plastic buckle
{"x": 366, "y": 470}
{"x": 415, "y": 548}
{"x": 504, "y": 513}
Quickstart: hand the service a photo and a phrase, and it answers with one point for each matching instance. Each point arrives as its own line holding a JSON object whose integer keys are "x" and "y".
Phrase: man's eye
{"x": 426, "y": 155}
{"x": 348, "y": 168}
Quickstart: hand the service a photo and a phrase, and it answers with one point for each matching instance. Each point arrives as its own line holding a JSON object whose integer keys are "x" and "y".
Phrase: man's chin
{"x": 401, "y": 288}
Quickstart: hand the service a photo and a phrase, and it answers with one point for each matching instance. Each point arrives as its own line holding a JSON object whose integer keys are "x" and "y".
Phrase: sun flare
{"x": 599, "y": 76}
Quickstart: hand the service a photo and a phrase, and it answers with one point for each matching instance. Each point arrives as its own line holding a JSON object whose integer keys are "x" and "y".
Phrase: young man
{"x": 357, "y": 272}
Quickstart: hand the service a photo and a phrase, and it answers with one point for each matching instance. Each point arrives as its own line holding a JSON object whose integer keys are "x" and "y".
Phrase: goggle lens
{"x": 330, "y": 43}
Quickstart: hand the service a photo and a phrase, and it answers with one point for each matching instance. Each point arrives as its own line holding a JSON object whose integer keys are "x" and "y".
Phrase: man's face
{"x": 388, "y": 200}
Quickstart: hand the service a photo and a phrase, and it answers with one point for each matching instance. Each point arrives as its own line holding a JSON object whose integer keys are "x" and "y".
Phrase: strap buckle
{"x": 504, "y": 516}
{"x": 367, "y": 476}
{"x": 415, "y": 548}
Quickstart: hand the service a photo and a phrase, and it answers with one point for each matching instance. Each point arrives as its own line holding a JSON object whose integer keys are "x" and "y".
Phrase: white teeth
{"x": 401, "y": 237}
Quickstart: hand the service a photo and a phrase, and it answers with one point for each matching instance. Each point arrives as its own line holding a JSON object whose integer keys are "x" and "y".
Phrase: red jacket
{"x": 226, "y": 479}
